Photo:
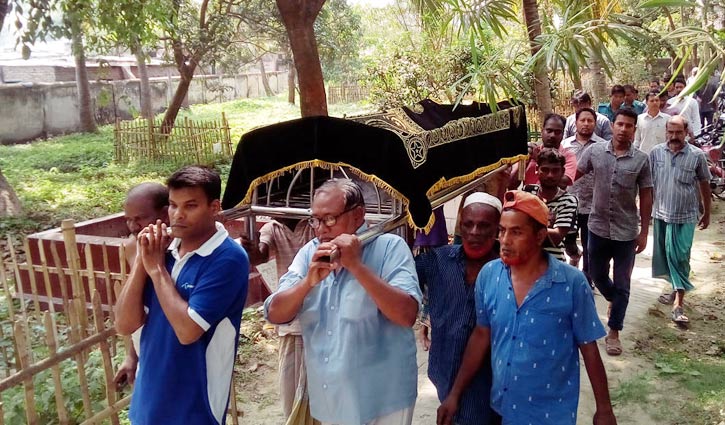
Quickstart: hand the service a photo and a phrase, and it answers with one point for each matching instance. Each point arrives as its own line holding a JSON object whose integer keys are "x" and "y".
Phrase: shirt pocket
{"x": 357, "y": 307}
{"x": 626, "y": 178}
{"x": 685, "y": 175}
{"x": 541, "y": 326}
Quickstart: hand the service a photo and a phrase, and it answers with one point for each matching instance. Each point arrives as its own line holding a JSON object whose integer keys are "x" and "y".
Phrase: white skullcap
{"x": 483, "y": 198}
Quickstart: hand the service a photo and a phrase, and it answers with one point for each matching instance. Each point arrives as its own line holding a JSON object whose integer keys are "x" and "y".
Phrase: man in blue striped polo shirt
{"x": 447, "y": 275}
{"x": 679, "y": 171}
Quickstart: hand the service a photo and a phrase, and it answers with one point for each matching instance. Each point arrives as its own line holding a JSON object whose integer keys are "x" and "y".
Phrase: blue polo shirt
{"x": 535, "y": 346}
{"x": 190, "y": 383}
{"x": 360, "y": 365}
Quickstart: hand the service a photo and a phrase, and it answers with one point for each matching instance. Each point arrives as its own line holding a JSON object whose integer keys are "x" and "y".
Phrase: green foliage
{"x": 634, "y": 390}
{"x": 406, "y": 75}
{"x": 338, "y": 32}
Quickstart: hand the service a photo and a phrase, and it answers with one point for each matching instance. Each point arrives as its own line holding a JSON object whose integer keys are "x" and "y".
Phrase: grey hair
{"x": 684, "y": 121}
{"x": 351, "y": 191}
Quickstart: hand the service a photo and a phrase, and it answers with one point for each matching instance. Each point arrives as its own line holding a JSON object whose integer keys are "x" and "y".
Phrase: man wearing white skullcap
{"x": 447, "y": 275}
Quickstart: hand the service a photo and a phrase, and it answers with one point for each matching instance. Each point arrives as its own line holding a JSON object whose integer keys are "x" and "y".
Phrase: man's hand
{"x": 348, "y": 251}
{"x": 447, "y": 411}
{"x": 153, "y": 242}
{"x": 320, "y": 267}
{"x": 641, "y": 241}
{"x": 126, "y": 374}
{"x": 704, "y": 221}
{"x": 424, "y": 338}
{"x": 604, "y": 418}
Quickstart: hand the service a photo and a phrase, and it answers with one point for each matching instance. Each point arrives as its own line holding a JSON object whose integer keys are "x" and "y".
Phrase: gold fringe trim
{"x": 380, "y": 183}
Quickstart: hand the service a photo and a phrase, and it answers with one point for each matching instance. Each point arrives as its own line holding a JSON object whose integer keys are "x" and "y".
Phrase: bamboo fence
{"x": 45, "y": 338}
{"x": 199, "y": 142}
{"x": 346, "y": 93}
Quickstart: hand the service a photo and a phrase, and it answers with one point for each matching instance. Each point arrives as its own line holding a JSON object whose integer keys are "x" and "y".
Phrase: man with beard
{"x": 581, "y": 100}
{"x": 551, "y": 136}
{"x": 447, "y": 275}
{"x": 535, "y": 314}
{"x": 621, "y": 172}
{"x": 679, "y": 170}
{"x": 582, "y": 188}
{"x": 356, "y": 306}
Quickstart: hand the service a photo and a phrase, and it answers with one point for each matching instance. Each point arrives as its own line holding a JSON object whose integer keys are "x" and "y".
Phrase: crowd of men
{"x": 510, "y": 312}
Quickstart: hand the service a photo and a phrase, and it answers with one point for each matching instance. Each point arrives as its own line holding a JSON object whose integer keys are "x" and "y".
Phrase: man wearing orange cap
{"x": 535, "y": 314}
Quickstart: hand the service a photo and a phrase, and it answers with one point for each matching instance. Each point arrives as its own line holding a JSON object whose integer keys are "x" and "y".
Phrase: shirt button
{"x": 332, "y": 307}
{"x": 505, "y": 389}
{"x": 324, "y": 386}
{"x": 329, "y": 333}
{"x": 508, "y": 364}
{"x": 514, "y": 337}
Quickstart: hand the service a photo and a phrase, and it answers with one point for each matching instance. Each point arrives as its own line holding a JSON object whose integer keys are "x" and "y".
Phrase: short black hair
{"x": 651, "y": 93}
{"x": 617, "y": 88}
{"x": 551, "y": 156}
{"x": 581, "y": 97}
{"x": 655, "y": 80}
{"x": 589, "y": 110}
{"x": 627, "y": 112}
{"x": 631, "y": 88}
{"x": 680, "y": 79}
{"x": 554, "y": 115}
{"x": 197, "y": 176}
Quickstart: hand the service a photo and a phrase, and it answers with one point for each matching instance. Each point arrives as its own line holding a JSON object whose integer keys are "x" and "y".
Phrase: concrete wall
{"x": 31, "y": 111}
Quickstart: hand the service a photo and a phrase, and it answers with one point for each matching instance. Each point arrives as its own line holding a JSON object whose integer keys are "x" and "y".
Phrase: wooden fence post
{"x": 50, "y": 340}
{"x": 105, "y": 355}
{"x": 73, "y": 315}
{"x": 25, "y": 356}
{"x": 74, "y": 264}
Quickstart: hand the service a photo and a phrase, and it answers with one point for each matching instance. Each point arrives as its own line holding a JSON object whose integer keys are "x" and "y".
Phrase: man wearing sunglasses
{"x": 356, "y": 306}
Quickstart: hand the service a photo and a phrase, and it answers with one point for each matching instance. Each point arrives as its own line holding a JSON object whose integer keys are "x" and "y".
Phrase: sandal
{"x": 678, "y": 315}
{"x": 667, "y": 299}
{"x": 613, "y": 347}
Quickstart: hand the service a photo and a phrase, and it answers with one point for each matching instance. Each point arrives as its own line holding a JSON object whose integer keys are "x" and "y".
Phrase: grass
{"x": 75, "y": 177}
{"x": 688, "y": 384}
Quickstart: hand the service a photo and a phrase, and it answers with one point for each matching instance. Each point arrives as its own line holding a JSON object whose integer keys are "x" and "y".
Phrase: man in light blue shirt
{"x": 356, "y": 305}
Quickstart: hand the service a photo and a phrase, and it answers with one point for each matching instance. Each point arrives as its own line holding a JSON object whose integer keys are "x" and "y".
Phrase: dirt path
{"x": 259, "y": 397}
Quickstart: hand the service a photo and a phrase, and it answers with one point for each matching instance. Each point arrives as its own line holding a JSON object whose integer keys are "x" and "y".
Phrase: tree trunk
{"x": 598, "y": 80}
{"x": 88, "y": 121}
{"x": 265, "y": 81}
{"x": 542, "y": 88}
{"x": 170, "y": 116}
{"x": 291, "y": 80}
{"x": 147, "y": 110}
{"x": 9, "y": 202}
{"x": 299, "y": 18}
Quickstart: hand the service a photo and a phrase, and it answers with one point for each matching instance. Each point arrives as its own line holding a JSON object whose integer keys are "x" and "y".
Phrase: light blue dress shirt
{"x": 535, "y": 346}
{"x": 360, "y": 365}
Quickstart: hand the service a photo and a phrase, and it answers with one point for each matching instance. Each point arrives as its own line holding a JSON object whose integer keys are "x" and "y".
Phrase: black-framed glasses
{"x": 329, "y": 220}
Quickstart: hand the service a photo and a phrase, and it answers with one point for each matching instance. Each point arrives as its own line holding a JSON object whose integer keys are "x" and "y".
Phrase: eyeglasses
{"x": 328, "y": 220}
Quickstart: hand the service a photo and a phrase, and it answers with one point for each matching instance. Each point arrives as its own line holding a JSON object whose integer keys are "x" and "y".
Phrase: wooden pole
{"x": 18, "y": 282}
{"x": 73, "y": 314}
{"x": 105, "y": 354}
{"x": 50, "y": 333}
{"x": 21, "y": 341}
{"x": 60, "y": 273}
{"x": 46, "y": 276}
{"x": 31, "y": 277}
{"x": 74, "y": 263}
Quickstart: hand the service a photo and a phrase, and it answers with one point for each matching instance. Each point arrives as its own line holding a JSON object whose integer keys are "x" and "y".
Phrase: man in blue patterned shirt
{"x": 535, "y": 314}
{"x": 447, "y": 275}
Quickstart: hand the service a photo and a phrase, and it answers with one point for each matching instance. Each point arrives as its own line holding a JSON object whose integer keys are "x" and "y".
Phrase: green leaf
{"x": 667, "y": 3}
{"x": 665, "y": 368}
{"x": 694, "y": 373}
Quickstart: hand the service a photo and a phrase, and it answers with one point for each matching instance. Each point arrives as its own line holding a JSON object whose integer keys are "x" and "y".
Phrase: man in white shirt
{"x": 651, "y": 125}
{"x": 685, "y": 106}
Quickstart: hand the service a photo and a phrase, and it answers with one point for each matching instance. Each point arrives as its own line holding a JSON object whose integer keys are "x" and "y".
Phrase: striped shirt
{"x": 676, "y": 177}
{"x": 562, "y": 213}
{"x": 583, "y": 188}
{"x": 442, "y": 273}
{"x": 617, "y": 181}
{"x": 603, "y": 128}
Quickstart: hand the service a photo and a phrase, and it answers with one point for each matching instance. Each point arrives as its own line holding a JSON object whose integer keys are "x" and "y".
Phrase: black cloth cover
{"x": 411, "y": 153}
